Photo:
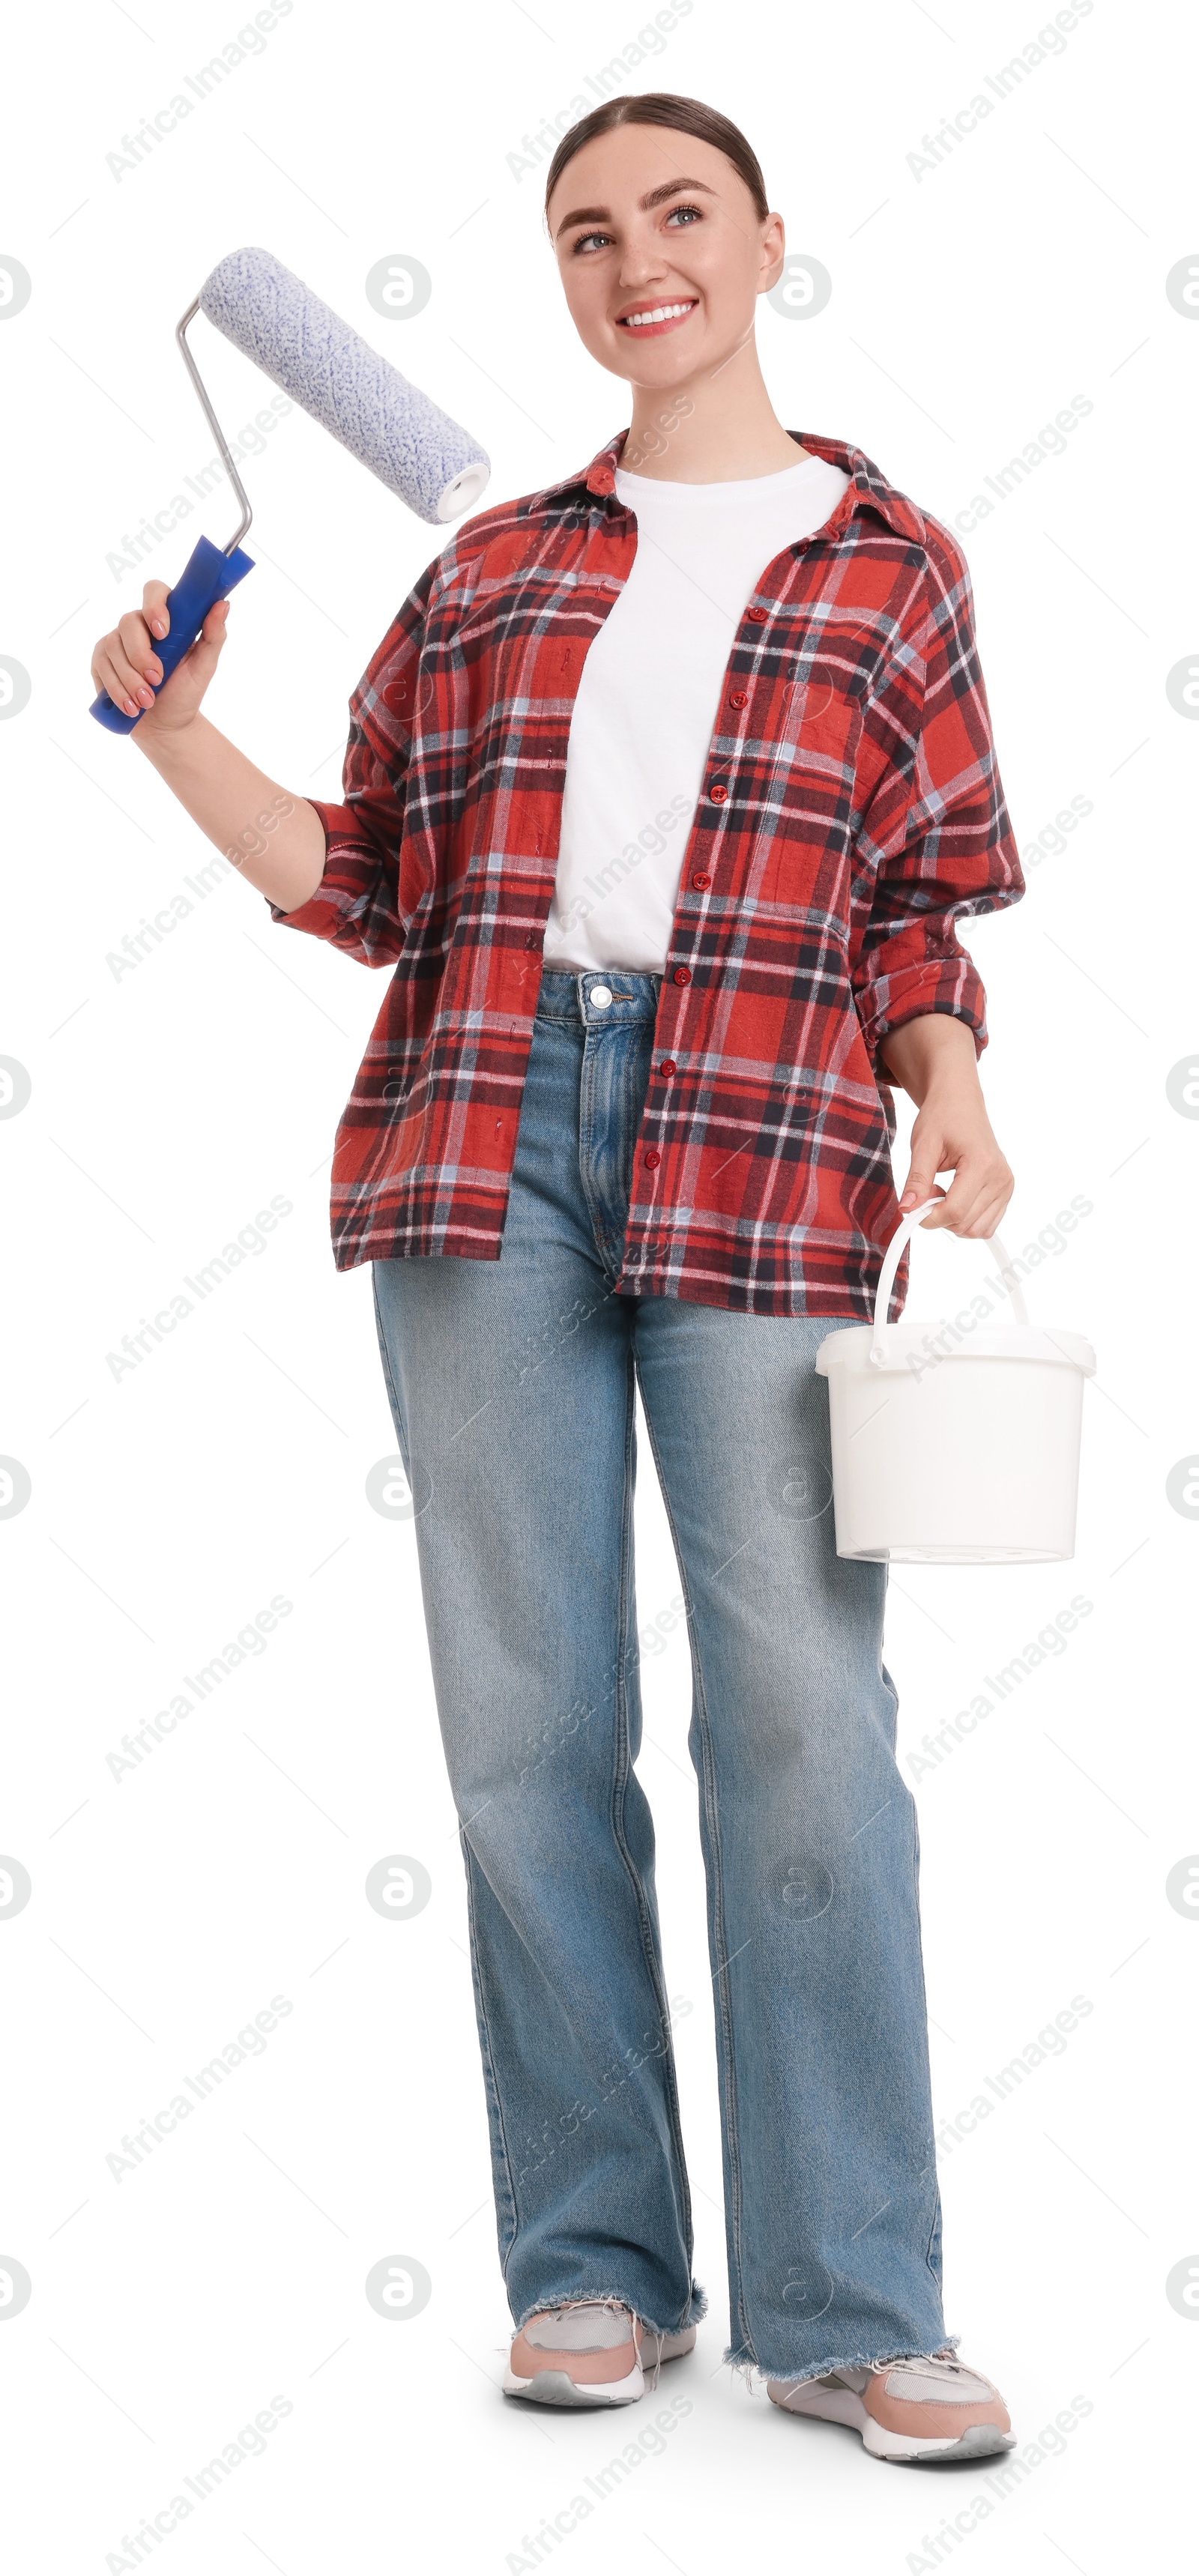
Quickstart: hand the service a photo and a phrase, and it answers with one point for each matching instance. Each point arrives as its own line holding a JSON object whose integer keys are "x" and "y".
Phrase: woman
{"x": 663, "y": 793}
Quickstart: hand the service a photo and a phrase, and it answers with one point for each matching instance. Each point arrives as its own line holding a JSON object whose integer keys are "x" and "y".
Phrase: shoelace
{"x": 940, "y": 2365}
{"x": 619, "y": 2309}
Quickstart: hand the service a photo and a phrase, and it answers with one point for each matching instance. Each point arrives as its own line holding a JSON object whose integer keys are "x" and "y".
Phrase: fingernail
{"x": 158, "y": 626}
{"x": 131, "y": 707}
{"x": 154, "y": 668}
{"x": 146, "y": 696}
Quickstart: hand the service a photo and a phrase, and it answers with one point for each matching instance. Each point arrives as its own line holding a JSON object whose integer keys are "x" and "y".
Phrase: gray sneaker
{"x": 925, "y": 2407}
{"x": 592, "y": 2352}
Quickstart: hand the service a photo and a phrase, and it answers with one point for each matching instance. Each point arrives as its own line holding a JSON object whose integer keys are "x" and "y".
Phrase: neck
{"x": 730, "y": 433}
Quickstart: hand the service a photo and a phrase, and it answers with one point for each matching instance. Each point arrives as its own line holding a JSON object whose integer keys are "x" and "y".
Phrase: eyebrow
{"x": 656, "y": 197}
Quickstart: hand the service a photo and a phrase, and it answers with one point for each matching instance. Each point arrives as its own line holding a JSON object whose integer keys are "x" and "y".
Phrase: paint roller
{"x": 368, "y": 406}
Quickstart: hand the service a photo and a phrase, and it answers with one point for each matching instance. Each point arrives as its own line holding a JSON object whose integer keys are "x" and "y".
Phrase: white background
{"x": 969, "y": 304}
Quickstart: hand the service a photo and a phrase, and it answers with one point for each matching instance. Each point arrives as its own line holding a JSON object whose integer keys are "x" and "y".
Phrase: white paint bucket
{"x": 954, "y": 1443}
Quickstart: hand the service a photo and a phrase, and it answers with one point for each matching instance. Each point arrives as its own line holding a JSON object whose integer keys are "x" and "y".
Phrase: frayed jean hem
{"x": 697, "y": 2308}
{"x": 748, "y": 2367}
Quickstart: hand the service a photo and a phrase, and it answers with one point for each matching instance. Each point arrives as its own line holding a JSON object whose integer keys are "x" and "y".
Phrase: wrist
{"x": 958, "y": 1083}
{"x": 935, "y": 1051}
{"x": 168, "y": 745}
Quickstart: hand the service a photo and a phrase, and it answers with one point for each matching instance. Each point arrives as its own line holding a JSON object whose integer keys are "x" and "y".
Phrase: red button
{"x": 718, "y": 793}
{"x": 682, "y": 974}
{"x": 701, "y": 878}
{"x": 759, "y": 615}
{"x": 739, "y": 698}
{"x": 668, "y": 1068}
{"x": 653, "y": 1158}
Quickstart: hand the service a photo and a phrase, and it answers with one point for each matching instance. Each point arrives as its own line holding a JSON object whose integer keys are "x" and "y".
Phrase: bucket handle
{"x": 894, "y": 1254}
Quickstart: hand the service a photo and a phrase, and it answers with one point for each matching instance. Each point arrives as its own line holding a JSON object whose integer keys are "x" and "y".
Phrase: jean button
{"x": 601, "y": 996}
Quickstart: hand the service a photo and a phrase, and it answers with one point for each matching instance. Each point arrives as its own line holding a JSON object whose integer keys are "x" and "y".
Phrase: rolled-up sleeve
{"x": 936, "y": 834}
{"x": 372, "y": 875}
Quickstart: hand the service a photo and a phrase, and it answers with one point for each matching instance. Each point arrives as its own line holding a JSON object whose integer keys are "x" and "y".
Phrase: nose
{"x": 642, "y": 262}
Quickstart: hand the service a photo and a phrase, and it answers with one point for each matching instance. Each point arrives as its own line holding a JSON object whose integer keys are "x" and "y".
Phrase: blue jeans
{"x": 512, "y": 1390}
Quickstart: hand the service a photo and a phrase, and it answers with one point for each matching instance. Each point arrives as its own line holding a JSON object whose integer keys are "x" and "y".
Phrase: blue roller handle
{"x": 208, "y": 576}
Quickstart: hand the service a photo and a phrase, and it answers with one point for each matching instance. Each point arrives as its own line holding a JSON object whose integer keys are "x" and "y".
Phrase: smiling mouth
{"x": 657, "y": 317}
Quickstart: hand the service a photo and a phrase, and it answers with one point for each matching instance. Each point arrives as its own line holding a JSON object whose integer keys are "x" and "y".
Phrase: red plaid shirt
{"x": 850, "y": 811}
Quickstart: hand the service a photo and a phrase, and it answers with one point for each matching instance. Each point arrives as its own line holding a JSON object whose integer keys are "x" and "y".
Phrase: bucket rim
{"x": 914, "y": 1347}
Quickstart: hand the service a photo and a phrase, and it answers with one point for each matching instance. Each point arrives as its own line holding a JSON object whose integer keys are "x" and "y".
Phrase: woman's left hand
{"x": 953, "y": 1133}
{"x": 934, "y": 1059}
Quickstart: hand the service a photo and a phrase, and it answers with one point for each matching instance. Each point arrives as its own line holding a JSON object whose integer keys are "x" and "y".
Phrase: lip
{"x": 656, "y": 330}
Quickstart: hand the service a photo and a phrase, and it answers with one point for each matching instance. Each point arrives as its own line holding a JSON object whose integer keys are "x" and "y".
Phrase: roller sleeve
{"x": 392, "y": 428}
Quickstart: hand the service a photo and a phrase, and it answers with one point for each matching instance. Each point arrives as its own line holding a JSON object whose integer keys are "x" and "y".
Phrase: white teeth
{"x": 661, "y": 313}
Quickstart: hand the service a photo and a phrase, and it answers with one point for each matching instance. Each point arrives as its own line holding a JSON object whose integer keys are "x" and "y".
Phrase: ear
{"x": 774, "y": 249}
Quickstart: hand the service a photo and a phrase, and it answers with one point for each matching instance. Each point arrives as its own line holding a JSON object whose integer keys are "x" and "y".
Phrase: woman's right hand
{"x": 126, "y": 664}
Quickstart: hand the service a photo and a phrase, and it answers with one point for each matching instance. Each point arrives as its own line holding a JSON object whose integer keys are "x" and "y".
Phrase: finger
{"x": 977, "y": 1229}
{"x": 987, "y": 1211}
{"x": 126, "y": 686}
{"x": 1003, "y": 1196}
{"x": 959, "y": 1208}
{"x": 131, "y": 683}
{"x": 137, "y": 643}
{"x": 108, "y": 685}
{"x": 921, "y": 1182}
{"x": 990, "y": 1219}
{"x": 206, "y": 651}
{"x": 196, "y": 668}
{"x": 154, "y": 610}
{"x": 973, "y": 1193}
{"x": 203, "y": 654}
{"x": 929, "y": 1224}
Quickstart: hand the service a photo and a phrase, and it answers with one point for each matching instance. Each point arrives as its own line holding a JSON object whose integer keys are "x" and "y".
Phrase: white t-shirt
{"x": 647, "y": 703}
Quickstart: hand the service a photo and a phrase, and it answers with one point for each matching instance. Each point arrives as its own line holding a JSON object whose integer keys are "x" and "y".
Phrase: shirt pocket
{"x": 815, "y": 738}
{"x": 811, "y": 736}
{"x": 827, "y": 739}
{"x": 824, "y": 699}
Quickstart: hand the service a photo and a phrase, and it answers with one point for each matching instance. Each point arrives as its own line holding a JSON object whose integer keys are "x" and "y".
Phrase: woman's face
{"x": 647, "y": 221}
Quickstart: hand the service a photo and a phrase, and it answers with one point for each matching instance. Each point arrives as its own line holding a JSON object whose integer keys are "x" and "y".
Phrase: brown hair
{"x": 664, "y": 107}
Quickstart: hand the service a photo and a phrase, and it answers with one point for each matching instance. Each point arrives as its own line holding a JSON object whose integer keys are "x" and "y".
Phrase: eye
{"x": 685, "y": 210}
{"x": 584, "y": 238}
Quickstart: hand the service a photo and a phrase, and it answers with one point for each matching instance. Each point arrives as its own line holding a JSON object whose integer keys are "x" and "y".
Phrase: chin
{"x": 657, "y": 367}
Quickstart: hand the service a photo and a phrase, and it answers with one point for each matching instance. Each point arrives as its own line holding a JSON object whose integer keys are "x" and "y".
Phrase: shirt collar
{"x": 868, "y": 486}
